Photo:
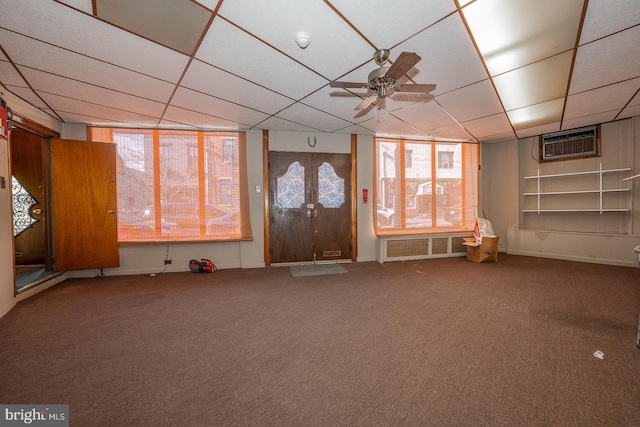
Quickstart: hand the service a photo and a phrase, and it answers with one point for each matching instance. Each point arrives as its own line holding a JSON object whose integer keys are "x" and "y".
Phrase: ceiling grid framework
{"x": 503, "y": 69}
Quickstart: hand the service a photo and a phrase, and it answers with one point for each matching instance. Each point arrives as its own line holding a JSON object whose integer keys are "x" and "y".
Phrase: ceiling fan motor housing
{"x": 379, "y": 82}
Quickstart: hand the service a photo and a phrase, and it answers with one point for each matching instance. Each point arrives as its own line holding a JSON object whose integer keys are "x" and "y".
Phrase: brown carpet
{"x": 444, "y": 342}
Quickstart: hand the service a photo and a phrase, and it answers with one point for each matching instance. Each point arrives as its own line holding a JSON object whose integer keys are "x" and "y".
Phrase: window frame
{"x": 390, "y": 166}
{"x": 234, "y": 218}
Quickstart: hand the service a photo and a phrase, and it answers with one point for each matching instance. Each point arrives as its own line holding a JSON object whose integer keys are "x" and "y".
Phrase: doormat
{"x": 316, "y": 269}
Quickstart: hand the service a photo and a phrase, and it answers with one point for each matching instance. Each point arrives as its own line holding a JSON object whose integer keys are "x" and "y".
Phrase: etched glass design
{"x": 290, "y": 187}
{"x": 330, "y": 187}
{"x": 22, "y": 203}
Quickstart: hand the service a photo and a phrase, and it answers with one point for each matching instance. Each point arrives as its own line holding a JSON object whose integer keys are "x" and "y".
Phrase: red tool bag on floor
{"x": 202, "y": 266}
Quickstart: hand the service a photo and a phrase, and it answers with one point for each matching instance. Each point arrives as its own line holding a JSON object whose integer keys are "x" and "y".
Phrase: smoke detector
{"x": 303, "y": 39}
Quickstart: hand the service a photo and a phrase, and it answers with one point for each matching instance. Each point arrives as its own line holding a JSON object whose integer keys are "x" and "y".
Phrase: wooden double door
{"x": 310, "y": 207}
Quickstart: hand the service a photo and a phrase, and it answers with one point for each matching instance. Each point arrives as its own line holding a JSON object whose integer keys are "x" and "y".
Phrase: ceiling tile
{"x": 69, "y": 106}
{"x": 111, "y": 117}
{"x": 633, "y": 109}
{"x": 583, "y": 121}
{"x": 486, "y": 127}
{"x": 451, "y": 132}
{"x": 265, "y": 66}
{"x": 390, "y": 126}
{"x": 610, "y": 98}
{"x": 43, "y": 20}
{"x": 606, "y": 17}
{"x": 8, "y": 74}
{"x": 183, "y": 116}
{"x": 195, "y": 101}
{"x": 387, "y": 26}
{"x": 213, "y": 81}
{"x": 341, "y": 103}
{"x": 449, "y": 59}
{"x": 471, "y": 102}
{"x": 312, "y": 118}
{"x": 609, "y": 60}
{"x": 83, "y": 5}
{"x": 56, "y": 85}
{"x": 178, "y": 24}
{"x": 514, "y": 33}
{"x": 276, "y": 123}
{"x": 335, "y": 47}
{"x": 425, "y": 116}
{"x": 538, "y": 130}
{"x": 29, "y": 96}
{"x": 28, "y": 53}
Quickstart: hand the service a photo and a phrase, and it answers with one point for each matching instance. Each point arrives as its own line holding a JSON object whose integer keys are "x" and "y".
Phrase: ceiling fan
{"x": 384, "y": 80}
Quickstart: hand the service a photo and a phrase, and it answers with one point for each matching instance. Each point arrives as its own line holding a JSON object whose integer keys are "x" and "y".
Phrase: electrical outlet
{"x": 167, "y": 261}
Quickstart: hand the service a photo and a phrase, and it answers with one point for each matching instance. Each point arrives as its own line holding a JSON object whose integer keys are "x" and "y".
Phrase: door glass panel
{"x": 330, "y": 187}
{"x": 22, "y": 203}
{"x": 290, "y": 187}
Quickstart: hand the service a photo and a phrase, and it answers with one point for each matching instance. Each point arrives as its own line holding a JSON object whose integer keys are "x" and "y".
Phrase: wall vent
{"x": 576, "y": 143}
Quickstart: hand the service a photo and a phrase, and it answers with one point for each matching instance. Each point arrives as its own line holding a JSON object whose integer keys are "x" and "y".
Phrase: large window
{"x": 179, "y": 185}
{"x": 435, "y": 191}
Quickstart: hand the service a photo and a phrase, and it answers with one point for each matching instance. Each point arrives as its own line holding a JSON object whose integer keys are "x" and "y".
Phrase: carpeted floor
{"x": 444, "y": 342}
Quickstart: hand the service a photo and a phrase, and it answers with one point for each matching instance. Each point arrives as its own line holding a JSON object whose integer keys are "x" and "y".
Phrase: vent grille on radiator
{"x": 406, "y": 248}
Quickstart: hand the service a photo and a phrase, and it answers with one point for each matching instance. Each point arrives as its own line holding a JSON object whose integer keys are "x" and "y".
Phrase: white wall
{"x": 607, "y": 238}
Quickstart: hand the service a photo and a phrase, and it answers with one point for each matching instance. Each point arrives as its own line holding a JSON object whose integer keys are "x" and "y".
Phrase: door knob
{"x": 37, "y": 211}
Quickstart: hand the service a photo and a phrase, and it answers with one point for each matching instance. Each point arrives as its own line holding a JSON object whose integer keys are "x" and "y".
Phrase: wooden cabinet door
{"x": 84, "y": 205}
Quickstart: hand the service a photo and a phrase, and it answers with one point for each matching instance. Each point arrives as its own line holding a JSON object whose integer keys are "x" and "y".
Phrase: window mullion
{"x": 157, "y": 190}
{"x": 202, "y": 184}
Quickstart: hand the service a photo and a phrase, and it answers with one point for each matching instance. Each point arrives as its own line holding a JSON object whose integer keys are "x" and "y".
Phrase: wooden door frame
{"x": 267, "y": 192}
{"x": 46, "y": 134}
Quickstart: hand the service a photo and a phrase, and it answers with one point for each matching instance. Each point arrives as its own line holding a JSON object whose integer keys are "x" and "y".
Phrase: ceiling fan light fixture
{"x": 303, "y": 39}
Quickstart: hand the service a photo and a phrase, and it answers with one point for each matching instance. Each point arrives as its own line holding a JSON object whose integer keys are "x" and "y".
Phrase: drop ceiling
{"x": 503, "y": 69}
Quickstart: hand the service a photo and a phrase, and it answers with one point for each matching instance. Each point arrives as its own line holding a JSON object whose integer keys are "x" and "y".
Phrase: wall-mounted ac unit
{"x": 570, "y": 144}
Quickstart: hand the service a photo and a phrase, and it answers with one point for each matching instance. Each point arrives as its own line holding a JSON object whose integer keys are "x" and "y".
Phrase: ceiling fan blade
{"x": 348, "y": 85}
{"x": 366, "y": 102}
{"x": 405, "y": 61}
{"x": 420, "y": 88}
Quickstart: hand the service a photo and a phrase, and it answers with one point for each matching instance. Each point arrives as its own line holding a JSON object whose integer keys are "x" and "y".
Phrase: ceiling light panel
{"x": 329, "y": 33}
{"x": 545, "y": 113}
{"x": 539, "y": 82}
{"x": 513, "y": 33}
{"x": 178, "y": 24}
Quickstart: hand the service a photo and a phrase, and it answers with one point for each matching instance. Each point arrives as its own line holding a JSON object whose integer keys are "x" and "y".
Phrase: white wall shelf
{"x": 599, "y": 191}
